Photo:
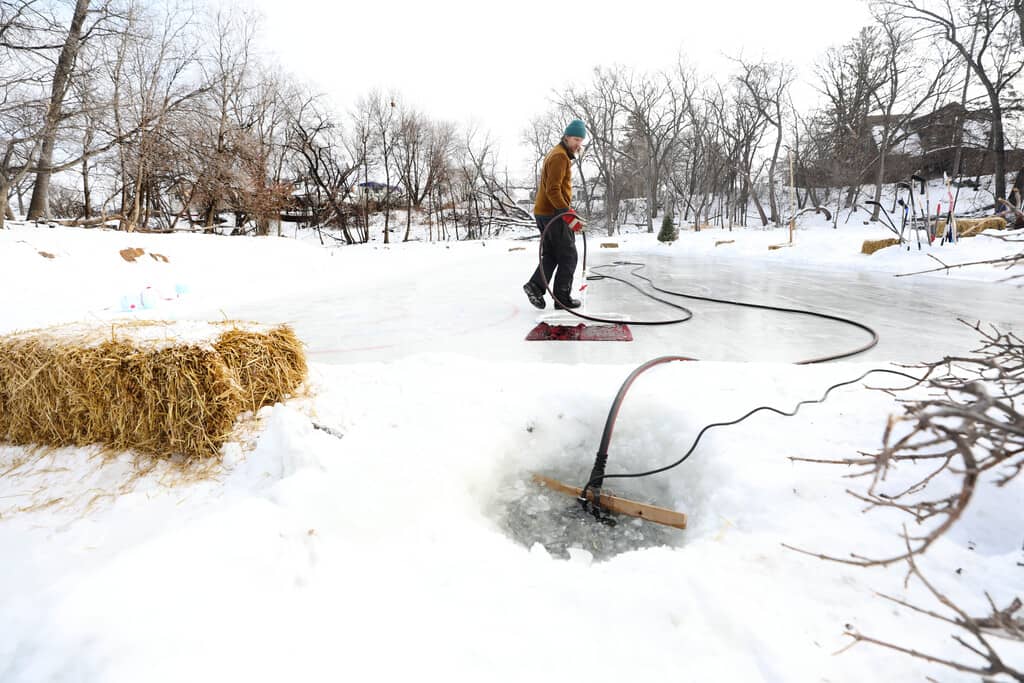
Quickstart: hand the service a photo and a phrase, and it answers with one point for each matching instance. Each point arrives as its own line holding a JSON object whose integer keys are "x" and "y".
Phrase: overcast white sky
{"x": 497, "y": 64}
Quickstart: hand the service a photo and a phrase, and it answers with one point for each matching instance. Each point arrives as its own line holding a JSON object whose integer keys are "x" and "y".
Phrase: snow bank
{"x": 407, "y": 539}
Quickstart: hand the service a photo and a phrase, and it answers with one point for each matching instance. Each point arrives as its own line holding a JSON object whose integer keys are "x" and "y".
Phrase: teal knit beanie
{"x": 575, "y": 129}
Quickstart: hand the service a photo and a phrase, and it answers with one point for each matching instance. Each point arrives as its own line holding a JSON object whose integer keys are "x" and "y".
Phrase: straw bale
{"x": 160, "y": 389}
{"x": 268, "y": 365}
{"x": 969, "y": 227}
{"x": 871, "y": 246}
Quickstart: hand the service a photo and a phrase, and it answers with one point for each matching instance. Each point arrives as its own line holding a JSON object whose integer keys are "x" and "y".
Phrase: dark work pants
{"x": 560, "y": 253}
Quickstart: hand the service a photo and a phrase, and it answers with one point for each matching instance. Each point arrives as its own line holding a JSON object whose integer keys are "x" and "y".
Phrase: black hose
{"x": 689, "y": 314}
{"x": 782, "y": 309}
{"x": 547, "y": 285}
{"x": 595, "y": 481}
{"x": 597, "y": 475}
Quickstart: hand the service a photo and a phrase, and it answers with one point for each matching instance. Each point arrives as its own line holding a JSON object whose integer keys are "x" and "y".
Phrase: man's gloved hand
{"x": 574, "y": 222}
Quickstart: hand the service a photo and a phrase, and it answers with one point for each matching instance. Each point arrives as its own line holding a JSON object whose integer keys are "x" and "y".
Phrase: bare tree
{"x": 227, "y": 69}
{"x": 542, "y": 132}
{"x": 479, "y": 166}
{"x": 743, "y": 128}
{"x": 475, "y": 162}
{"x": 38, "y": 208}
{"x": 25, "y": 35}
{"x": 149, "y": 75}
{"x": 909, "y": 83}
{"x": 316, "y": 141}
{"x": 1018, "y": 7}
{"x": 849, "y": 78}
{"x": 601, "y": 107}
{"x": 269, "y": 111}
{"x": 697, "y": 173}
{"x": 987, "y": 36}
{"x": 360, "y": 144}
{"x": 441, "y": 146}
{"x": 656, "y": 109}
{"x": 768, "y": 84}
{"x": 87, "y": 87}
{"x": 383, "y": 118}
{"x": 16, "y": 159}
{"x": 422, "y": 151}
{"x": 805, "y": 140}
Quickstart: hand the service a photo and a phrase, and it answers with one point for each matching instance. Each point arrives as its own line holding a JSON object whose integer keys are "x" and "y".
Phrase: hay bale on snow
{"x": 871, "y": 246}
{"x": 969, "y": 227}
{"x": 162, "y": 389}
{"x": 268, "y": 365}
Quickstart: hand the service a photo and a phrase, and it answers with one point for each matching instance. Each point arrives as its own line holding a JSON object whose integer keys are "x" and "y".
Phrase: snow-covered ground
{"x": 415, "y": 544}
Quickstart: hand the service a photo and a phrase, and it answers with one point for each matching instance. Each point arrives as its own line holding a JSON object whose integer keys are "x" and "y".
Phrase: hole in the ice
{"x": 531, "y": 513}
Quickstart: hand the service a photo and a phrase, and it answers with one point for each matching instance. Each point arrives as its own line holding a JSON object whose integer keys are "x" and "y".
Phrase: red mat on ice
{"x": 581, "y": 332}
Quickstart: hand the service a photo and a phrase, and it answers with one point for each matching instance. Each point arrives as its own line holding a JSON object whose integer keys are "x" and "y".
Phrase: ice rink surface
{"x": 481, "y": 311}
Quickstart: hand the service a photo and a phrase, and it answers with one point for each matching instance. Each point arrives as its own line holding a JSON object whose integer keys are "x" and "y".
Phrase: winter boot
{"x": 569, "y": 302}
{"x": 536, "y": 298}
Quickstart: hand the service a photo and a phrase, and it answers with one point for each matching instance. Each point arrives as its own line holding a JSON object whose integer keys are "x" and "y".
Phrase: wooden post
{"x": 792, "y": 199}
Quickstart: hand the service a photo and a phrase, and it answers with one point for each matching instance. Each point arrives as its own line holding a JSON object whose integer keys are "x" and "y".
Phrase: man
{"x": 554, "y": 202}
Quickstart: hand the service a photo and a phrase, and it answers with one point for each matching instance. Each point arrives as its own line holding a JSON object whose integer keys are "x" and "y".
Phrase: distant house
{"x": 302, "y": 207}
{"x": 375, "y": 191}
{"x": 925, "y": 145}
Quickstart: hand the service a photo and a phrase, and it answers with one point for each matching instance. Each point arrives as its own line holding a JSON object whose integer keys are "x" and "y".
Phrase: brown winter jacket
{"x": 554, "y": 194}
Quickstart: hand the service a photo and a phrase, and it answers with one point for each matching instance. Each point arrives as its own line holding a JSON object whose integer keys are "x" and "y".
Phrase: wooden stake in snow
{"x": 792, "y": 198}
{"x": 792, "y": 208}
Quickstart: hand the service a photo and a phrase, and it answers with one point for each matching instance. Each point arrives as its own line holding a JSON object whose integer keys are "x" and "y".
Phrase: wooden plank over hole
{"x": 621, "y": 506}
